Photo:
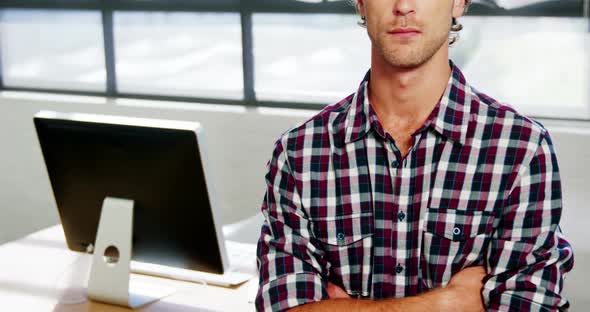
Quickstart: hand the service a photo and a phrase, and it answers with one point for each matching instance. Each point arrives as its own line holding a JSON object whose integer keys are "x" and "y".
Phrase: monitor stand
{"x": 110, "y": 271}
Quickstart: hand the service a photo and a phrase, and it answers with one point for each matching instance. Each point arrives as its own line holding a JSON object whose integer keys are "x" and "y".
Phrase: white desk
{"x": 33, "y": 268}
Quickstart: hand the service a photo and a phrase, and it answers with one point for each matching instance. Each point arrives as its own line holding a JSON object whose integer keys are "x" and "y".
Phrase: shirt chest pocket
{"x": 347, "y": 241}
{"x": 452, "y": 240}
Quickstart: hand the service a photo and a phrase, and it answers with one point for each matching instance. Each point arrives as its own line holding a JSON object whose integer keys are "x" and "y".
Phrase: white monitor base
{"x": 109, "y": 274}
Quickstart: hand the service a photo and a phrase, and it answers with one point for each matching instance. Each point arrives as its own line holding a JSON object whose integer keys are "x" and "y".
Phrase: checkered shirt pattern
{"x": 480, "y": 186}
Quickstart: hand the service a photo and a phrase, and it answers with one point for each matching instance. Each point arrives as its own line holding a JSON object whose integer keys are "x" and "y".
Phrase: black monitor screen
{"x": 159, "y": 169}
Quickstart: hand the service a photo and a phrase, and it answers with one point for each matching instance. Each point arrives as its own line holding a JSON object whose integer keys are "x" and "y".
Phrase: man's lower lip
{"x": 405, "y": 34}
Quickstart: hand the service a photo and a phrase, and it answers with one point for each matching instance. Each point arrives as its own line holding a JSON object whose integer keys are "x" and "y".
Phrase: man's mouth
{"x": 407, "y": 32}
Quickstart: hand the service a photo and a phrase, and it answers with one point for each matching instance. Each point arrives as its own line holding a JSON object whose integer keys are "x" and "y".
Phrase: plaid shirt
{"x": 480, "y": 186}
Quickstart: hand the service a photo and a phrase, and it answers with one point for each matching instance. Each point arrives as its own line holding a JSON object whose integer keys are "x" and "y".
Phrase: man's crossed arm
{"x": 463, "y": 293}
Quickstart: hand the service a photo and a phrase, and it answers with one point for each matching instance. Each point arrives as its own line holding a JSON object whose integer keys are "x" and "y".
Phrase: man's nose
{"x": 404, "y": 7}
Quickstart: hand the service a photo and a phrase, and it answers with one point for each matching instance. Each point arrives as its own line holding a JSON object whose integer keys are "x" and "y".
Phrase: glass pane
{"x": 52, "y": 49}
{"x": 572, "y": 8}
{"x": 180, "y": 54}
{"x": 539, "y": 65}
{"x": 308, "y": 58}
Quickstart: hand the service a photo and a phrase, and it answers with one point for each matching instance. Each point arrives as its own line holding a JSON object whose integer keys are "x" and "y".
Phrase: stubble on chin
{"x": 408, "y": 55}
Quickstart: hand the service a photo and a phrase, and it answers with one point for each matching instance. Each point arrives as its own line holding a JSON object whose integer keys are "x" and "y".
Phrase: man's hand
{"x": 464, "y": 290}
{"x": 335, "y": 292}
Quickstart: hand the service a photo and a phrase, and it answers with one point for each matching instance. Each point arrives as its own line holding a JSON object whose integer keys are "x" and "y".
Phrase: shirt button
{"x": 399, "y": 268}
{"x": 340, "y": 236}
{"x": 395, "y": 164}
{"x": 401, "y": 215}
{"x": 456, "y": 231}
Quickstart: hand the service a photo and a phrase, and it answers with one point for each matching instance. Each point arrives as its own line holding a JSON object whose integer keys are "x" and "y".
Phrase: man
{"x": 417, "y": 192}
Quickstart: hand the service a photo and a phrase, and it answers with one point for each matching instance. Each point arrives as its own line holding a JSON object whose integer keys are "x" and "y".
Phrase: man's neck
{"x": 403, "y": 98}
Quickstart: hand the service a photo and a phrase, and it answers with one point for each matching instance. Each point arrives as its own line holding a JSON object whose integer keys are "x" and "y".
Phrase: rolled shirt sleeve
{"x": 528, "y": 255}
{"x": 292, "y": 269}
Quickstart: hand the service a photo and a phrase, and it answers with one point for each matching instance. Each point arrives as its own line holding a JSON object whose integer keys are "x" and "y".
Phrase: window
{"x": 180, "y": 54}
{"x": 51, "y": 49}
{"x": 539, "y": 65}
{"x": 308, "y": 58}
{"x": 531, "y": 54}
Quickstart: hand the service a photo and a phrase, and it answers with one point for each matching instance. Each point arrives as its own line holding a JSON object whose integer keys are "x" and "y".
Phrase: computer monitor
{"x": 160, "y": 165}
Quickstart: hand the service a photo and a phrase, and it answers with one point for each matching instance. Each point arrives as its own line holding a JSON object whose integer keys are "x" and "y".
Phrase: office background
{"x": 249, "y": 70}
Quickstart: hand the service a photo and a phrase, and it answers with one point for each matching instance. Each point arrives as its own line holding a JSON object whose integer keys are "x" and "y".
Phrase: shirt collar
{"x": 450, "y": 117}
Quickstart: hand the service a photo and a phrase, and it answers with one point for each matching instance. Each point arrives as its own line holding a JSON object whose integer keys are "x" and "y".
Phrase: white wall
{"x": 240, "y": 143}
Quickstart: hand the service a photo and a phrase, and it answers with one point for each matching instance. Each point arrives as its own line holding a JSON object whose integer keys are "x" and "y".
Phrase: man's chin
{"x": 402, "y": 57}
{"x": 404, "y": 63}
